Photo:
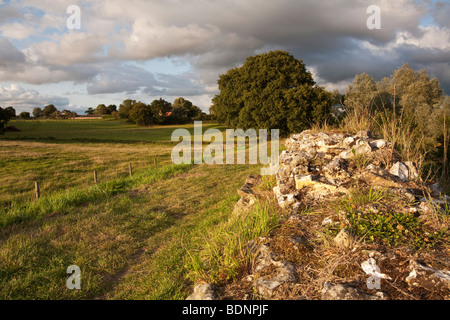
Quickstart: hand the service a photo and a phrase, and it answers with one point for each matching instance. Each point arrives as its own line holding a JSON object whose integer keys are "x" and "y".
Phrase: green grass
{"x": 128, "y": 235}
{"x": 95, "y": 131}
{"x": 222, "y": 253}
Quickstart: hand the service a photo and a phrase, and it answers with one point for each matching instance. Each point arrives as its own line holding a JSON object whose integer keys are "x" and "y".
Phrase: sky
{"x": 146, "y": 50}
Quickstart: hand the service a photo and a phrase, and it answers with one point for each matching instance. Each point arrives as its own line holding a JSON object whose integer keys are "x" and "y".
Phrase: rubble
{"x": 314, "y": 170}
{"x": 318, "y": 165}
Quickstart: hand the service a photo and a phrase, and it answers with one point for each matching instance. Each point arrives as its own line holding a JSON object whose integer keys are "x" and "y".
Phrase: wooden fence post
{"x": 37, "y": 190}
{"x": 156, "y": 163}
{"x": 130, "y": 169}
{"x": 95, "y": 176}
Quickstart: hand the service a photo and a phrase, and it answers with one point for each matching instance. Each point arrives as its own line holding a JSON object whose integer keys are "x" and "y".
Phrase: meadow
{"x": 130, "y": 236}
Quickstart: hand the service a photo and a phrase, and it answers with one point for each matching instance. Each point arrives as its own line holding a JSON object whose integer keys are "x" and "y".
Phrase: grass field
{"x": 129, "y": 236}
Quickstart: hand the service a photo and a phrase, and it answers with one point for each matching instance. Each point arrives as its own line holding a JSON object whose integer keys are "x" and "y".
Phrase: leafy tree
{"x": 11, "y": 111}
{"x": 55, "y": 114}
{"x": 101, "y": 109}
{"x": 271, "y": 91}
{"x": 141, "y": 114}
{"x": 5, "y": 116}
{"x": 159, "y": 109}
{"x": 89, "y": 111}
{"x": 49, "y": 111}
{"x": 67, "y": 114}
{"x": 111, "y": 108}
{"x": 24, "y": 115}
{"x": 362, "y": 92}
{"x": 37, "y": 112}
{"x": 125, "y": 108}
{"x": 115, "y": 115}
{"x": 188, "y": 108}
{"x": 417, "y": 96}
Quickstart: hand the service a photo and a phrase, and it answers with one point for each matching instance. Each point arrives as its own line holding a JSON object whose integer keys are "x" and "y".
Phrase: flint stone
{"x": 344, "y": 239}
{"x": 362, "y": 148}
{"x": 363, "y": 134}
{"x": 266, "y": 287}
{"x": 400, "y": 170}
{"x": 334, "y": 166}
{"x": 428, "y": 278}
{"x": 349, "y": 141}
{"x": 286, "y": 200}
{"x": 203, "y": 292}
{"x": 379, "y": 144}
{"x": 343, "y": 292}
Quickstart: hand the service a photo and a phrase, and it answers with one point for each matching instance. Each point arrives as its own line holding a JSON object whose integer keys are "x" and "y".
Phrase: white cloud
{"x": 27, "y": 99}
{"x": 17, "y": 31}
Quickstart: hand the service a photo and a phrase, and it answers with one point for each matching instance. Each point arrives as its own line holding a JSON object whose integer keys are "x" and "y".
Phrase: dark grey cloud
{"x": 10, "y": 56}
{"x": 330, "y": 36}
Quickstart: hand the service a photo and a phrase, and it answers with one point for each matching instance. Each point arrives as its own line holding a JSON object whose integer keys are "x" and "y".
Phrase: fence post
{"x": 156, "y": 163}
{"x": 130, "y": 169}
{"x": 37, "y": 190}
{"x": 95, "y": 176}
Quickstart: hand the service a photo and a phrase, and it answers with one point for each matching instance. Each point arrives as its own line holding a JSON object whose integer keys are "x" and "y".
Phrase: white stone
{"x": 378, "y": 144}
{"x": 400, "y": 170}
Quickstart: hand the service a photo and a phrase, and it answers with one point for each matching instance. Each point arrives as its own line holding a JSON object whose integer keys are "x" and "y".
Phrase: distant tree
{"x": 271, "y": 91}
{"x": 24, "y": 115}
{"x": 5, "y": 116}
{"x": 141, "y": 114}
{"x": 111, "y": 108}
{"x": 11, "y": 111}
{"x": 67, "y": 114}
{"x": 37, "y": 112}
{"x": 49, "y": 111}
{"x": 361, "y": 93}
{"x": 417, "y": 96}
{"x": 101, "y": 109}
{"x": 188, "y": 108}
{"x": 89, "y": 111}
{"x": 115, "y": 115}
{"x": 159, "y": 109}
{"x": 55, "y": 114}
{"x": 125, "y": 108}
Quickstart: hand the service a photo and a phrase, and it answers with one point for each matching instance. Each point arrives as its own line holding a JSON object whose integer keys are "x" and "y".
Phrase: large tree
{"x": 24, "y": 115}
{"x": 11, "y": 111}
{"x": 159, "y": 109}
{"x": 101, "y": 110}
{"x": 125, "y": 108}
{"x": 37, "y": 112}
{"x": 141, "y": 114}
{"x": 271, "y": 91}
{"x": 49, "y": 111}
{"x": 416, "y": 95}
{"x": 5, "y": 116}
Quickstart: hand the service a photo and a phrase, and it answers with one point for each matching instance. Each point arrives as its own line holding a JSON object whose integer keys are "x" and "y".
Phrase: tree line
{"x": 158, "y": 112}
